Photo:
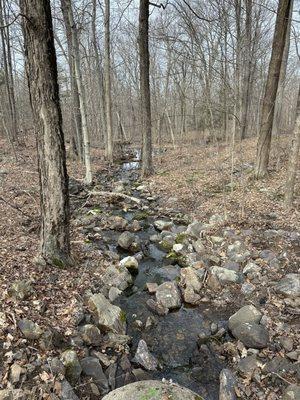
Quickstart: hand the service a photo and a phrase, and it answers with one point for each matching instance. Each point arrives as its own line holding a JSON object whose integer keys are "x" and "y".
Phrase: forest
{"x": 149, "y": 199}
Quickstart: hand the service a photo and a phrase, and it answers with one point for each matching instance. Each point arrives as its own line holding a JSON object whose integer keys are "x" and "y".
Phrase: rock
{"x": 166, "y": 244}
{"x": 135, "y": 226}
{"x": 247, "y": 366}
{"x": 117, "y": 277}
{"x": 287, "y": 343}
{"x": 15, "y": 373}
{"x": 195, "y": 229}
{"x": 91, "y": 335}
{"x": 252, "y": 268}
{"x": 20, "y": 290}
{"x": 199, "y": 247}
{"x": 216, "y": 219}
{"x": 224, "y": 275}
{"x": 114, "y": 293}
{"x": 151, "y": 287}
{"x": 30, "y": 329}
{"x": 130, "y": 263}
{"x": 161, "y": 225}
{"x": 227, "y": 383}
{"x": 56, "y": 366}
{"x": 234, "y": 266}
{"x": 292, "y": 392}
{"x": 126, "y": 239}
{"x": 144, "y": 358}
{"x": 71, "y": 363}
{"x": 178, "y": 248}
{"x": 289, "y": 285}
{"x": 107, "y": 316}
{"x": 115, "y": 340}
{"x": 156, "y": 390}
{"x": 157, "y": 308}
{"x": 92, "y": 367}
{"x": 190, "y": 297}
{"x": 251, "y": 335}
{"x": 247, "y": 288}
{"x": 168, "y": 295}
{"x": 218, "y": 240}
{"x": 245, "y": 314}
{"x": 191, "y": 278}
{"x": 237, "y": 252}
{"x": 117, "y": 223}
{"x": 67, "y": 392}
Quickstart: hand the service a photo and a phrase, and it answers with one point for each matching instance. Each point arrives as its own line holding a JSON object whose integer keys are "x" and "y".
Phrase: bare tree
{"x": 264, "y": 141}
{"x": 107, "y": 79}
{"x": 44, "y": 94}
{"x": 145, "y": 87}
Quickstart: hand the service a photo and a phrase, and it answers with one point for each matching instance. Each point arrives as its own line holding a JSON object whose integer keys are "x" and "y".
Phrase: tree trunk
{"x": 44, "y": 95}
{"x": 264, "y": 140}
{"x": 279, "y": 98}
{"x": 143, "y": 39}
{"x": 107, "y": 79}
{"x": 294, "y": 158}
{"x": 68, "y": 16}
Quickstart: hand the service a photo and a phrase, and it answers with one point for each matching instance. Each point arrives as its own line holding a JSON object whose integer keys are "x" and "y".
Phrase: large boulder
{"x": 154, "y": 390}
{"x": 107, "y": 316}
{"x": 168, "y": 295}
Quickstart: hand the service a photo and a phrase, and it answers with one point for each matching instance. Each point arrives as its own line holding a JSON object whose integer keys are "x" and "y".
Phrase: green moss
{"x": 123, "y": 316}
{"x": 151, "y": 393}
{"x": 95, "y": 211}
{"x": 180, "y": 238}
{"x": 139, "y": 216}
{"x": 179, "y": 259}
{"x": 58, "y": 263}
{"x": 165, "y": 245}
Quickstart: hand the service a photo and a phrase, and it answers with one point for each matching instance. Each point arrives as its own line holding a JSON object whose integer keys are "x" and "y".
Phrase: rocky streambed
{"x": 200, "y": 303}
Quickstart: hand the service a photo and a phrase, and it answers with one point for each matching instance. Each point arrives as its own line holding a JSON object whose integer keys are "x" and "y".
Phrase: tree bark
{"x": 294, "y": 158}
{"x": 264, "y": 141}
{"x": 107, "y": 79}
{"x": 143, "y": 40}
{"x": 44, "y": 95}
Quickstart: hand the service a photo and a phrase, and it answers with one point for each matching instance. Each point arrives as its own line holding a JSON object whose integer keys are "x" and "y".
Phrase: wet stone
{"x": 144, "y": 358}
{"x": 168, "y": 295}
{"x": 245, "y": 314}
{"x": 251, "y": 335}
{"x": 91, "y": 367}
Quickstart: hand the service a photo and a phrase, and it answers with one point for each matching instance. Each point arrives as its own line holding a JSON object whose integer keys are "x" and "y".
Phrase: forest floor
{"x": 191, "y": 183}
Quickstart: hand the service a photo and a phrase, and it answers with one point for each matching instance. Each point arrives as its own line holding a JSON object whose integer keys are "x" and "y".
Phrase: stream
{"x": 173, "y": 338}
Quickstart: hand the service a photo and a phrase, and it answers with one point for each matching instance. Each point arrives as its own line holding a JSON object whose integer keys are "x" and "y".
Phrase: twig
{"x": 113, "y": 194}
{"x": 14, "y": 206}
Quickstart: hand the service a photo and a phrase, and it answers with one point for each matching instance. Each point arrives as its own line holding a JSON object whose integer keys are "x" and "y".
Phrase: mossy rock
{"x": 181, "y": 238}
{"x": 141, "y": 215}
{"x": 177, "y": 259}
{"x": 152, "y": 390}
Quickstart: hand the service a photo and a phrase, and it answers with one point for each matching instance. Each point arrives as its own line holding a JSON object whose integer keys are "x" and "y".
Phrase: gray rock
{"x": 107, "y": 316}
{"x": 289, "y": 285}
{"x": 91, "y": 335}
{"x": 292, "y": 392}
{"x": 126, "y": 239}
{"x": 30, "y": 329}
{"x": 71, "y": 363}
{"x": 169, "y": 272}
{"x": 114, "y": 293}
{"x": 195, "y": 229}
{"x": 117, "y": 277}
{"x": 67, "y": 392}
{"x": 115, "y": 340}
{"x": 131, "y": 263}
{"x": 199, "y": 247}
{"x": 225, "y": 275}
{"x": 245, "y": 314}
{"x": 117, "y": 223}
{"x": 247, "y": 366}
{"x": 191, "y": 278}
{"x": 227, "y": 383}
{"x": 178, "y": 248}
{"x": 216, "y": 219}
{"x": 247, "y": 288}
{"x": 56, "y": 366}
{"x": 232, "y": 265}
{"x": 237, "y": 252}
{"x": 162, "y": 225}
{"x": 20, "y": 290}
{"x": 144, "y": 358}
{"x": 168, "y": 295}
{"x": 157, "y": 308}
{"x": 152, "y": 390}
{"x": 92, "y": 367}
{"x": 251, "y": 335}
{"x": 252, "y": 268}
